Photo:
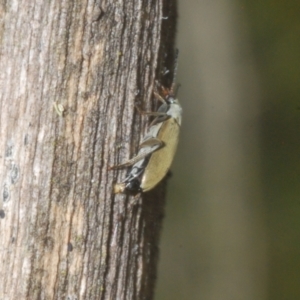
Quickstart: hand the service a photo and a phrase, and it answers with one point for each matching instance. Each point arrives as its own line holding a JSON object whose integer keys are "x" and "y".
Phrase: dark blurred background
{"x": 232, "y": 225}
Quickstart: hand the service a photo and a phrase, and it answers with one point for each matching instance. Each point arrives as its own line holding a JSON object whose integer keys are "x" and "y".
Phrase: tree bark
{"x": 71, "y": 73}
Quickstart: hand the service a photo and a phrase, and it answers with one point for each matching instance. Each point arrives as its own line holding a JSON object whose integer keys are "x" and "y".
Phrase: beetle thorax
{"x": 175, "y": 110}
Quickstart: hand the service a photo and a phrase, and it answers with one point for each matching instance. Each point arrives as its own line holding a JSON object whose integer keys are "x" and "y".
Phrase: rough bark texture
{"x": 63, "y": 234}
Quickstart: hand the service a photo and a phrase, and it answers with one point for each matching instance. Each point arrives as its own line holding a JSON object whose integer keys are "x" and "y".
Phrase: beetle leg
{"x": 153, "y": 144}
{"x": 159, "y": 97}
{"x": 150, "y": 113}
{"x": 163, "y": 117}
{"x": 160, "y": 116}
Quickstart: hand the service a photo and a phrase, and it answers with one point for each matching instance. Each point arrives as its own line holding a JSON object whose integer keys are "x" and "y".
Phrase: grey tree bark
{"x": 71, "y": 73}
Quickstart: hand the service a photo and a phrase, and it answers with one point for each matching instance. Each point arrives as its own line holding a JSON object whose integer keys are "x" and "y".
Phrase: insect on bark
{"x": 158, "y": 147}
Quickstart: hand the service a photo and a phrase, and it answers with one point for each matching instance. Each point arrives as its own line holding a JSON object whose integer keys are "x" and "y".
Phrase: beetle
{"x": 158, "y": 147}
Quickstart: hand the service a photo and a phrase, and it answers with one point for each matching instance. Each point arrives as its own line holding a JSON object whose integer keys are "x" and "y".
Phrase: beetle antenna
{"x": 176, "y": 89}
{"x": 172, "y": 90}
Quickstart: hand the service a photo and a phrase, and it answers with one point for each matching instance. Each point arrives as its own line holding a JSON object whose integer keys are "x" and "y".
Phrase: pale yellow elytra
{"x": 160, "y": 161}
{"x": 157, "y": 149}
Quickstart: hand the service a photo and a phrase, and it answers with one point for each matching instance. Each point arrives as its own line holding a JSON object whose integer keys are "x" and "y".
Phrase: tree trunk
{"x": 71, "y": 73}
